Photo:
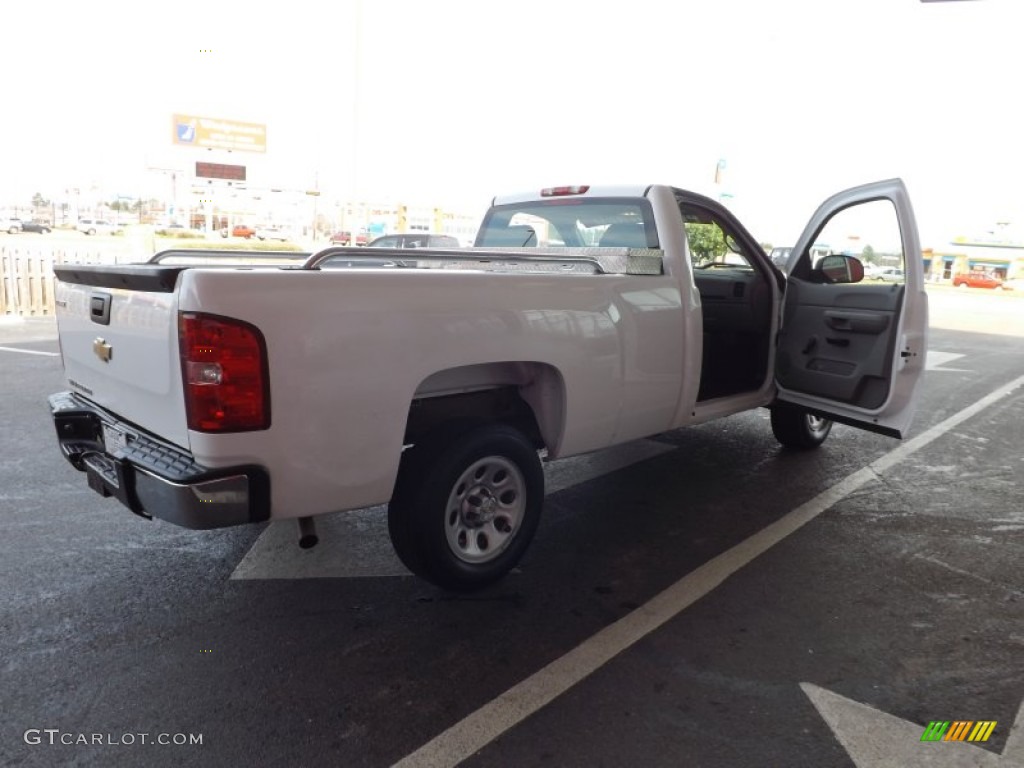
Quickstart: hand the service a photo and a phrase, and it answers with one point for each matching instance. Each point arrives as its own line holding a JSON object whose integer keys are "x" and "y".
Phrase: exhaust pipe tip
{"x": 307, "y": 533}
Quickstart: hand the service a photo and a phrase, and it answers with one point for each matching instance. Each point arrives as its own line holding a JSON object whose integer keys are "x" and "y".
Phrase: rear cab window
{"x": 570, "y": 223}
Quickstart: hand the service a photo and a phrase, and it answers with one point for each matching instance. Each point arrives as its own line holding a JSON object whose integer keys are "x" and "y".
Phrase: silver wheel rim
{"x": 485, "y": 509}
{"x": 816, "y": 425}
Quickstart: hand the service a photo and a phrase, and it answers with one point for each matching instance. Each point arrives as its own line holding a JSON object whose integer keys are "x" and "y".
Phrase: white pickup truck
{"x": 212, "y": 393}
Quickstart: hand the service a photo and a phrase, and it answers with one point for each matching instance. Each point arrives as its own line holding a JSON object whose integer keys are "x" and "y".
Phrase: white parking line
{"x": 478, "y": 729}
{"x": 29, "y": 351}
{"x": 935, "y": 360}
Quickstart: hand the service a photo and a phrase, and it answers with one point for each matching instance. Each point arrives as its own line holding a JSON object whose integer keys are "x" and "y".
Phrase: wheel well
{"x": 429, "y": 415}
{"x": 529, "y": 396}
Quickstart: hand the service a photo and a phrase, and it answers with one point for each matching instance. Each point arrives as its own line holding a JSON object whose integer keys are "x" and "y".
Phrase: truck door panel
{"x": 836, "y": 343}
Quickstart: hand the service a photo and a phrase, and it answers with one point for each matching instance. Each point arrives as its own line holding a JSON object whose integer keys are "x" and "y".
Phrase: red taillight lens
{"x": 224, "y": 367}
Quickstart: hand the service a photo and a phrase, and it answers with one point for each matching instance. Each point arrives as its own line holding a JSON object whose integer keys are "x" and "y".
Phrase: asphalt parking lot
{"x": 701, "y": 599}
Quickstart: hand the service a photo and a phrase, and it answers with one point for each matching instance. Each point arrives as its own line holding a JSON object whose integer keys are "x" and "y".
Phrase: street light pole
{"x": 357, "y": 53}
{"x": 316, "y": 199}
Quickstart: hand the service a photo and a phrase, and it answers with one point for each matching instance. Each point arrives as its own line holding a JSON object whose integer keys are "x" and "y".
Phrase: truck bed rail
{"x": 188, "y": 257}
{"x": 594, "y": 261}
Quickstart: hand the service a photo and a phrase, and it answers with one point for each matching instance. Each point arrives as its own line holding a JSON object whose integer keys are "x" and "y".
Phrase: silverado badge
{"x": 103, "y": 350}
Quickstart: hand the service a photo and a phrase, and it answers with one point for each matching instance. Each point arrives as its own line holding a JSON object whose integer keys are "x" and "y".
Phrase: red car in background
{"x": 345, "y": 238}
{"x": 978, "y": 278}
{"x": 239, "y": 230}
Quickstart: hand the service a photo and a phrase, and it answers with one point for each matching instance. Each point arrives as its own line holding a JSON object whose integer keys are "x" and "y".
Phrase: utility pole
{"x": 357, "y": 58}
{"x": 174, "y": 185}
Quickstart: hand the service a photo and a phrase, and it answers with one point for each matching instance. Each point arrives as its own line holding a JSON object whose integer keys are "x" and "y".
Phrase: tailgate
{"x": 119, "y": 341}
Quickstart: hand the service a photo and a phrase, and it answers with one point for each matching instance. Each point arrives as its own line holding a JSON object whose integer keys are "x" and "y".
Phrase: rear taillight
{"x": 224, "y": 367}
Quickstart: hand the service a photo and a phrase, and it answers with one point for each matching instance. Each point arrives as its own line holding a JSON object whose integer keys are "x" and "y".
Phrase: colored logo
{"x": 958, "y": 730}
{"x": 186, "y": 131}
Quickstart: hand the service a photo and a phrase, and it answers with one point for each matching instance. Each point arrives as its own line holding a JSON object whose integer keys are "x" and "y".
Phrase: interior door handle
{"x": 856, "y": 322}
{"x": 838, "y": 342}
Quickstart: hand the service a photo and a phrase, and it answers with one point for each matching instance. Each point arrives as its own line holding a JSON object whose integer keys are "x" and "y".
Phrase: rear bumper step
{"x": 153, "y": 478}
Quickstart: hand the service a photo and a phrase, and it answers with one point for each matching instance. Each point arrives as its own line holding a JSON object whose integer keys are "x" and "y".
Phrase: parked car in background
{"x": 889, "y": 274}
{"x": 10, "y": 225}
{"x": 414, "y": 240}
{"x": 780, "y": 256}
{"x": 239, "y": 230}
{"x": 978, "y": 278}
{"x": 98, "y": 227}
{"x": 272, "y": 233}
{"x": 36, "y": 226}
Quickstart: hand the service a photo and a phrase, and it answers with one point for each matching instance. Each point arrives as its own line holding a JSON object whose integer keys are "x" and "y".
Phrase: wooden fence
{"x": 26, "y": 276}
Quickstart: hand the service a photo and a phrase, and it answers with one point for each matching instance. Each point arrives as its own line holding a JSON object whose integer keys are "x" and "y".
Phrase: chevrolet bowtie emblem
{"x": 103, "y": 350}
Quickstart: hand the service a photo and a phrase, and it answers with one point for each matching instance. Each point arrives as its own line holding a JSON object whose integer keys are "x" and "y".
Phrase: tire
{"x": 91, "y": 232}
{"x": 962, "y": 285}
{"x": 797, "y": 429}
{"x": 466, "y": 506}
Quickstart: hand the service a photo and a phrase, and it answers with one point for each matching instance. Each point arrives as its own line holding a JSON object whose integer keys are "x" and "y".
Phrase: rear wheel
{"x": 797, "y": 429}
{"x": 466, "y": 506}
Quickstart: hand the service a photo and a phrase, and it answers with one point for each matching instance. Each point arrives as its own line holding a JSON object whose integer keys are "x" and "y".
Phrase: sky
{"x": 450, "y": 102}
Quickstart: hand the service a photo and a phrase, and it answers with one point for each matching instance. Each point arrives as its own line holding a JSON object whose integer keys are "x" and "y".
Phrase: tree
{"x": 706, "y": 242}
{"x": 868, "y": 255}
{"x": 122, "y": 205}
{"x": 38, "y": 201}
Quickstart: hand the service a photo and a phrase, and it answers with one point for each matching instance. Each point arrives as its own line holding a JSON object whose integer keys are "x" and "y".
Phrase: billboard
{"x": 212, "y": 133}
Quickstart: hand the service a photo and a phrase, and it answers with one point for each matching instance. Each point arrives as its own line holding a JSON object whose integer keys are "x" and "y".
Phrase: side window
{"x": 711, "y": 242}
{"x": 869, "y": 232}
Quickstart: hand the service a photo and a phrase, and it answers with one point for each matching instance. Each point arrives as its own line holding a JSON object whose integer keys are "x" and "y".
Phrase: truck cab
{"x": 838, "y": 347}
